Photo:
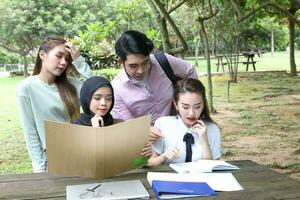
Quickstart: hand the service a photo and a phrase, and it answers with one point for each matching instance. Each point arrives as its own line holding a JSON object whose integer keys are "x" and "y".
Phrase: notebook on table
{"x": 203, "y": 166}
{"x": 133, "y": 189}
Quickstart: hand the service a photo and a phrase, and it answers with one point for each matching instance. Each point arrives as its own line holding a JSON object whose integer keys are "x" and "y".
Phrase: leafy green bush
{"x": 16, "y": 73}
{"x": 96, "y": 45}
{"x": 107, "y": 73}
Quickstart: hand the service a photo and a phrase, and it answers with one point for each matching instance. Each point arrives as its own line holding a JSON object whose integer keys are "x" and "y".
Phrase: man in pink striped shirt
{"x": 142, "y": 87}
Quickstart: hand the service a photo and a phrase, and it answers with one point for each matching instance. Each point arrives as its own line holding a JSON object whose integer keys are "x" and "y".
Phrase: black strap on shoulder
{"x": 165, "y": 65}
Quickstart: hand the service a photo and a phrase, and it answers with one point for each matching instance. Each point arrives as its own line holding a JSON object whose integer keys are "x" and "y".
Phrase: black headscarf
{"x": 86, "y": 93}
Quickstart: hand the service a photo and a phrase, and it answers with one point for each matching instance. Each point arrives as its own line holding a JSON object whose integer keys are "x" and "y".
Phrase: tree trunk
{"x": 215, "y": 49}
{"x": 207, "y": 52}
{"x": 165, "y": 35}
{"x": 128, "y": 25}
{"x": 236, "y": 59}
{"x": 184, "y": 46}
{"x": 203, "y": 45}
{"x": 25, "y": 66}
{"x": 197, "y": 44}
{"x": 292, "y": 47}
{"x": 162, "y": 24}
{"x": 272, "y": 42}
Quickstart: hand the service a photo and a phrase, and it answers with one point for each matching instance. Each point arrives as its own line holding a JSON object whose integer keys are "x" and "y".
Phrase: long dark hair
{"x": 133, "y": 42}
{"x": 194, "y": 86}
{"x": 66, "y": 90}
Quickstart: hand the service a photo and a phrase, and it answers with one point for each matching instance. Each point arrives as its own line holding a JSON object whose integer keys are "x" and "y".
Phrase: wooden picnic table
{"x": 248, "y": 55}
{"x": 259, "y": 182}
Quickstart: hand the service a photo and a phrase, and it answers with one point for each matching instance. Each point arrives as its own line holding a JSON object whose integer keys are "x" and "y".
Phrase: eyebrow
{"x": 145, "y": 61}
{"x": 100, "y": 95}
{"x": 185, "y": 104}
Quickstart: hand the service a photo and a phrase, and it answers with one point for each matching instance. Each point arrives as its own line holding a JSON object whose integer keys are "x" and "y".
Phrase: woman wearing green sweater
{"x": 50, "y": 94}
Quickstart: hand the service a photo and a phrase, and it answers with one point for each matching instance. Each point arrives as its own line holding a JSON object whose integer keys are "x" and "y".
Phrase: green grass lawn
{"x": 279, "y": 61}
{"x": 244, "y": 96}
{"x": 13, "y": 154}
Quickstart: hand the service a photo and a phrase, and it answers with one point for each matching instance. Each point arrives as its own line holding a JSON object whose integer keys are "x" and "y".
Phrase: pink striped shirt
{"x": 155, "y": 97}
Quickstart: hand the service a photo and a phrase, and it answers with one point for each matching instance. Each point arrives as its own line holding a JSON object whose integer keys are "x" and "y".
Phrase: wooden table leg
{"x": 218, "y": 64}
{"x": 248, "y": 58}
{"x": 253, "y": 64}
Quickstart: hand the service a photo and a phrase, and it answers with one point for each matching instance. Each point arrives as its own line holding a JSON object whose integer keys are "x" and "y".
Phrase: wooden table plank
{"x": 259, "y": 182}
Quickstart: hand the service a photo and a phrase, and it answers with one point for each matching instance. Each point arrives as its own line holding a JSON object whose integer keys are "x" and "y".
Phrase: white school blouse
{"x": 173, "y": 130}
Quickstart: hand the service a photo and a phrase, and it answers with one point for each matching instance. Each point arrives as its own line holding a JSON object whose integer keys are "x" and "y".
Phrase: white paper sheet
{"x": 217, "y": 181}
{"x": 108, "y": 191}
{"x": 202, "y": 166}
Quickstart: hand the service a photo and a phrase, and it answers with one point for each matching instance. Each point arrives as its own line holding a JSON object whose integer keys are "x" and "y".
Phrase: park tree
{"x": 162, "y": 10}
{"x": 24, "y": 23}
{"x": 128, "y": 14}
{"x": 16, "y": 35}
{"x": 128, "y": 11}
{"x": 288, "y": 8}
{"x": 274, "y": 27}
{"x": 205, "y": 11}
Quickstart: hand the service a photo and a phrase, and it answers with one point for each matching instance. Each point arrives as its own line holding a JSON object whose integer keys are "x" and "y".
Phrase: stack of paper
{"x": 217, "y": 181}
{"x": 203, "y": 166}
{"x": 108, "y": 191}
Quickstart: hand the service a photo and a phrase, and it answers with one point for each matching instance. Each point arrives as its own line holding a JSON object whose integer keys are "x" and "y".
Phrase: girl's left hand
{"x": 200, "y": 128}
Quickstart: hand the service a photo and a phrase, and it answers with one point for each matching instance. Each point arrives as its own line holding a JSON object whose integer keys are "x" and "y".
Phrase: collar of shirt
{"x": 143, "y": 83}
{"x": 182, "y": 126}
{"x": 126, "y": 79}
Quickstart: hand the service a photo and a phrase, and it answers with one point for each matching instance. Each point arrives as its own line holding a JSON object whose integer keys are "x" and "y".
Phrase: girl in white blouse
{"x": 190, "y": 134}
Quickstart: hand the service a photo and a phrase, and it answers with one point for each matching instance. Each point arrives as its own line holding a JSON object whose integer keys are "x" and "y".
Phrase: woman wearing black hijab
{"x": 97, "y": 100}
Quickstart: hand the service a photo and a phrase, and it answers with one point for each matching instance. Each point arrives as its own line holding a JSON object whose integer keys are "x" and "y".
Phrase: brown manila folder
{"x": 75, "y": 150}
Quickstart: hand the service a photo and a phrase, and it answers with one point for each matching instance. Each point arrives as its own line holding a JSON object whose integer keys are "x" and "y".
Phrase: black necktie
{"x": 189, "y": 140}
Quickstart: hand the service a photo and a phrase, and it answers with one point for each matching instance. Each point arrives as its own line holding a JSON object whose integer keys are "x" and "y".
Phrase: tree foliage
{"x": 96, "y": 45}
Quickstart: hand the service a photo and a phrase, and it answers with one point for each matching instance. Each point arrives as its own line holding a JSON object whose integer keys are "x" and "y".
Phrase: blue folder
{"x": 173, "y": 189}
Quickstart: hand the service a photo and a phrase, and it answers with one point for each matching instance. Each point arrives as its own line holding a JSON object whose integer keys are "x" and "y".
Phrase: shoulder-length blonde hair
{"x": 66, "y": 90}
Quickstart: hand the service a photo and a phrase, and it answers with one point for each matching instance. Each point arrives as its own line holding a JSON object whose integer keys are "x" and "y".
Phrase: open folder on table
{"x": 217, "y": 181}
{"x": 203, "y": 166}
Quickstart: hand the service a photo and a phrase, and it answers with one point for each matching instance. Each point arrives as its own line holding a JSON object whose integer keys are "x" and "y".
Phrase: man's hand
{"x": 147, "y": 150}
{"x": 154, "y": 135}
